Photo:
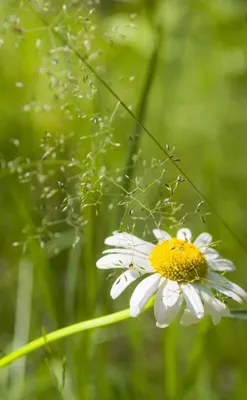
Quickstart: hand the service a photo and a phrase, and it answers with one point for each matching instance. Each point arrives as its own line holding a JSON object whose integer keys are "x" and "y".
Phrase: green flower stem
{"x": 67, "y": 331}
{"x": 80, "y": 327}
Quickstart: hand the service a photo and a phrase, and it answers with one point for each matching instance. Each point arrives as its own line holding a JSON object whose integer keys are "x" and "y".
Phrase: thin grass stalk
{"x": 37, "y": 257}
{"x": 22, "y": 320}
{"x": 195, "y": 357}
{"x": 170, "y": 361}
{"x": 71, "y": 281}
{"x": 141, "y": 113}
{"x": 65, "y": 42}
{"x": 136, "y": 341}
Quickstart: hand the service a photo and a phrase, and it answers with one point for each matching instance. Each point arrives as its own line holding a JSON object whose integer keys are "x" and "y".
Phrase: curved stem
{"x": 79, "y": 327}
{"x": 67, "y": 331}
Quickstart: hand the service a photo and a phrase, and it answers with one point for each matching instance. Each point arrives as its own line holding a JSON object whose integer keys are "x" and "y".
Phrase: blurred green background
{"x": 181, "y": 67}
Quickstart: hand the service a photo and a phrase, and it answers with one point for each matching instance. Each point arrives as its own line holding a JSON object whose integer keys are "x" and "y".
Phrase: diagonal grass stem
{"x": 83, "y": 59}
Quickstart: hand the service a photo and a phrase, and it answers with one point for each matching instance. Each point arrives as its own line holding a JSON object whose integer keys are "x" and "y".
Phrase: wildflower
{"x": 186, "y": 276}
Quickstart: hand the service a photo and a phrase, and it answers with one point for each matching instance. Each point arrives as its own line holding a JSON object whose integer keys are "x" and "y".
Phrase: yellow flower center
{"x": 179, "y": 260}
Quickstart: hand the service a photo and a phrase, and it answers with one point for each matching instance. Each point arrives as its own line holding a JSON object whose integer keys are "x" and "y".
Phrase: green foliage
{"x": 65, "y": 185}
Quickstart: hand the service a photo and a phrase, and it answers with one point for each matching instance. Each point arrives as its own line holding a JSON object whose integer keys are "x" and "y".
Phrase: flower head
{"x": 184, "y": 275}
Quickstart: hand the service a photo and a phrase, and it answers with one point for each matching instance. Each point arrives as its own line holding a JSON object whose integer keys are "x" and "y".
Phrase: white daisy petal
{"x": 204, "y": 239}
{"x": 222, "y": 289}
{"x": 184, "y": 234}
{"x": 123, "y": 281}
{"x": 215, "y": 315}
{"x": 158, "y": 304}
{"x": 221, "y": 265}
{"x": 213, "y": 277}
{"x": 130, "y": 252}
{"x": 123, "y": 261}
{"x": 167, "y": 304}
{"x": 193, "y": 300}
{"x": 143, "y": 292}
{"x": 188, "y": 318}
{"x": 213, "y": 306}
{"x": 128, "y": 241}
{"x": 209, "y": 253}
{"x": 161, "y": 235}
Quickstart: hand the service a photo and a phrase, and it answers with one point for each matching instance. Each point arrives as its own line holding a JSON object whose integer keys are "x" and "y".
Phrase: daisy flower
{"x": 186, "y": 276}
